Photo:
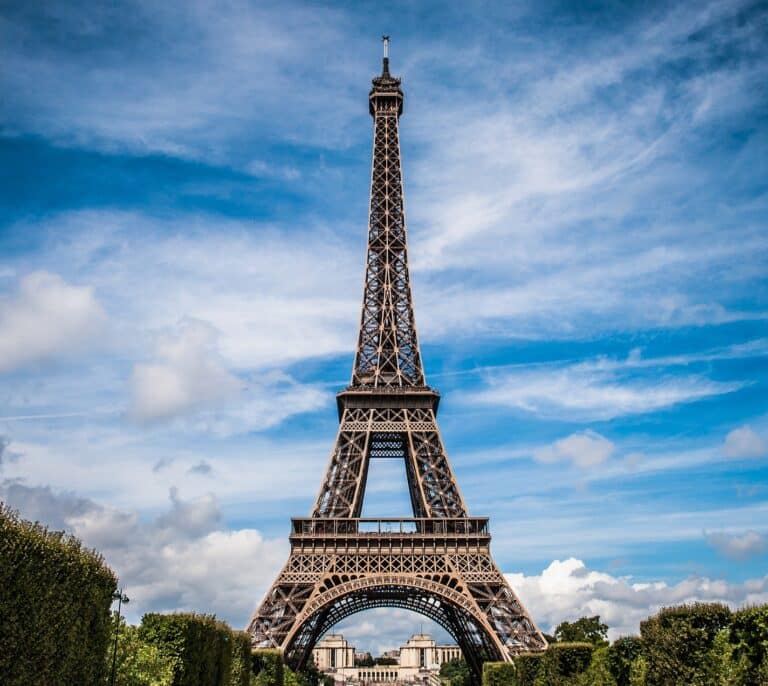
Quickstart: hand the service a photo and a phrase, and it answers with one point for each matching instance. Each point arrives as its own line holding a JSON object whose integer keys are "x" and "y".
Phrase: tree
{"x": 138, "y": 663}
{"x": 365, "y": 661}
{"x": 584, "y": 630}
{"x": 621, "y": 655}
{"x": 385, "y": 661}
{"x": 749, "y": 637}
{"x": 677, "y": 643}
{"x": 455, "y": 672}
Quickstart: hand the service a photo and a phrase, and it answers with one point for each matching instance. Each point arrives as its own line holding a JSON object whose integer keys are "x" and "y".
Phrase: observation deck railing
{"x": 416, "y": 526}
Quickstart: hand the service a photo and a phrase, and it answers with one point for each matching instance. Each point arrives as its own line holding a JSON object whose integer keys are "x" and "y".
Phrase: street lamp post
{"x": 121, "y": 598}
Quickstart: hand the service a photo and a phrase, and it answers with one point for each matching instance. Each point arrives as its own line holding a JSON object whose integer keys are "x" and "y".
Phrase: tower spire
{"x": 385, "y": 63}
{"x": 387, "y": 351}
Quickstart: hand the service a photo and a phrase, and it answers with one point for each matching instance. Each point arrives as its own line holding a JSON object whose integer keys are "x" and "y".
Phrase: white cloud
{"x": 738, "y": 546}
{"x": 744, "y": 442}
{"x": 274, "y": 294}
{"x": 190, "y": 377}
{"x": 188, "y": 374}
{"x": 567, "y": 590}
{"x": 181, "y": 560}
{"x": 46, "y": 319}
{"x": 584, "y": 449}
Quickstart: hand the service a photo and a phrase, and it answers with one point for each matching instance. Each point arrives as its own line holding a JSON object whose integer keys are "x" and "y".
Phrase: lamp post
{"x": 121, "y": 598}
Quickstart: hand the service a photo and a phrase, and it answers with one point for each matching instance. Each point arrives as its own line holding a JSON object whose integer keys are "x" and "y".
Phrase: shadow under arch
{"x": 447, "y": 606}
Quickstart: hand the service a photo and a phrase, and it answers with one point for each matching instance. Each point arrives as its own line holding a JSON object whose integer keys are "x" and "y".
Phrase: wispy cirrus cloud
{"x": 229, "y": 66}
{"x": 738, "y": 546}
{"x": 591, "y": 391}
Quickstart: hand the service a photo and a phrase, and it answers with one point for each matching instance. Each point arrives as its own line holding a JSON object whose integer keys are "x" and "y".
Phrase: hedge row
{"x": 563, "y": 664}
{"x": 688, "y": 645}
{"x": 241, "y": 659}
{"x": 200, "y": 650}
{"x": 705, "y": 644}
{"x": 268, "y": 667}
{"x": 55, "y": 597}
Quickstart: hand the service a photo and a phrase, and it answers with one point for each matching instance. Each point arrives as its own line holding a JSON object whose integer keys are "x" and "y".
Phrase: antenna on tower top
{"x": 385, "y": 69}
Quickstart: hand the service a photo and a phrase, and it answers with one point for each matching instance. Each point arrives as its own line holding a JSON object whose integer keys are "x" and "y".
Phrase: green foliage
{"x": 268, "y": 667}
{"x": 638, "y": 671}
{"x": 749, "y": 638}
{"x": 498, "y": 674}
{"x": 240, "y": 666}
{"x": 527, "y": 667}
{"x": 677, "y": 643}
{"x": 138, "y": 663}
{"x": 290, "y": 678}
{"x": 563, "y": 664}
{"x": 55, "y": 597}
{"x": 455, "y": 672}
{"x": 198, "y": 647}
{"x": 621, "y": 655}
{"x": 584, "y": 630}
{"x": 366, "y": 661}
{"x": 385, "y": 661}
{"x": 599, "y": 672}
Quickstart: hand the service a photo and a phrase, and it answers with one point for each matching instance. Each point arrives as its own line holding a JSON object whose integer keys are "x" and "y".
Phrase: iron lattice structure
{"x": 437, "y": 563}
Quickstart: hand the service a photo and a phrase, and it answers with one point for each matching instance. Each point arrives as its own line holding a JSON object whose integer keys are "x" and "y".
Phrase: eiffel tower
{"x": 437, "y": 563}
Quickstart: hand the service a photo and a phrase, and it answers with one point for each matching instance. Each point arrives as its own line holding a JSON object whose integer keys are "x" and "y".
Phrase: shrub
{"x": 599, "y": 672}
{"x": 563, "y": 663}
{"x": 638, "y": 671}
{"x": 240, "y": 670}
{"x": 526, "y": 668}
{"x": 621, "y": 655}
{"x": 455, "y": 672}
{"x": 498, "y": 674}
{"x": 198, "y": 647}
{"x": 138, "y": 663}
{"x": 749, "y": 638}
{"x": 268, "y": 667}
{"x": 678, "y": 640}
{"x": 55, "y": 597}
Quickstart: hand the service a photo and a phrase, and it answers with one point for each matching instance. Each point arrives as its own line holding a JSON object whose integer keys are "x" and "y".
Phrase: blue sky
{"x": 182, "y": 231}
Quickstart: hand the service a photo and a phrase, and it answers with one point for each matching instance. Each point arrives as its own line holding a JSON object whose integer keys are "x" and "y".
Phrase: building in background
{"x": 332, "y": 653}
{"x": 418, "y": 661}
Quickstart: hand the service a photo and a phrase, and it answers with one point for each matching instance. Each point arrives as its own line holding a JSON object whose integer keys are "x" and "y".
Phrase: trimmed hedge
{"x": 55, "y": 597}
{"x": 563, "y": 663}
{"x": 749, "y": 638}
{"x": 677, "y": 643}
{"x": 268, "y": 667}
{"x": 599, "y": 671}
{"x": 527, "y": 667}
{"x": 240, "y": 671}
{"x": 498, "y": 673}
{"x": 621, "y": 655}
{"x": 198, "y": 646}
